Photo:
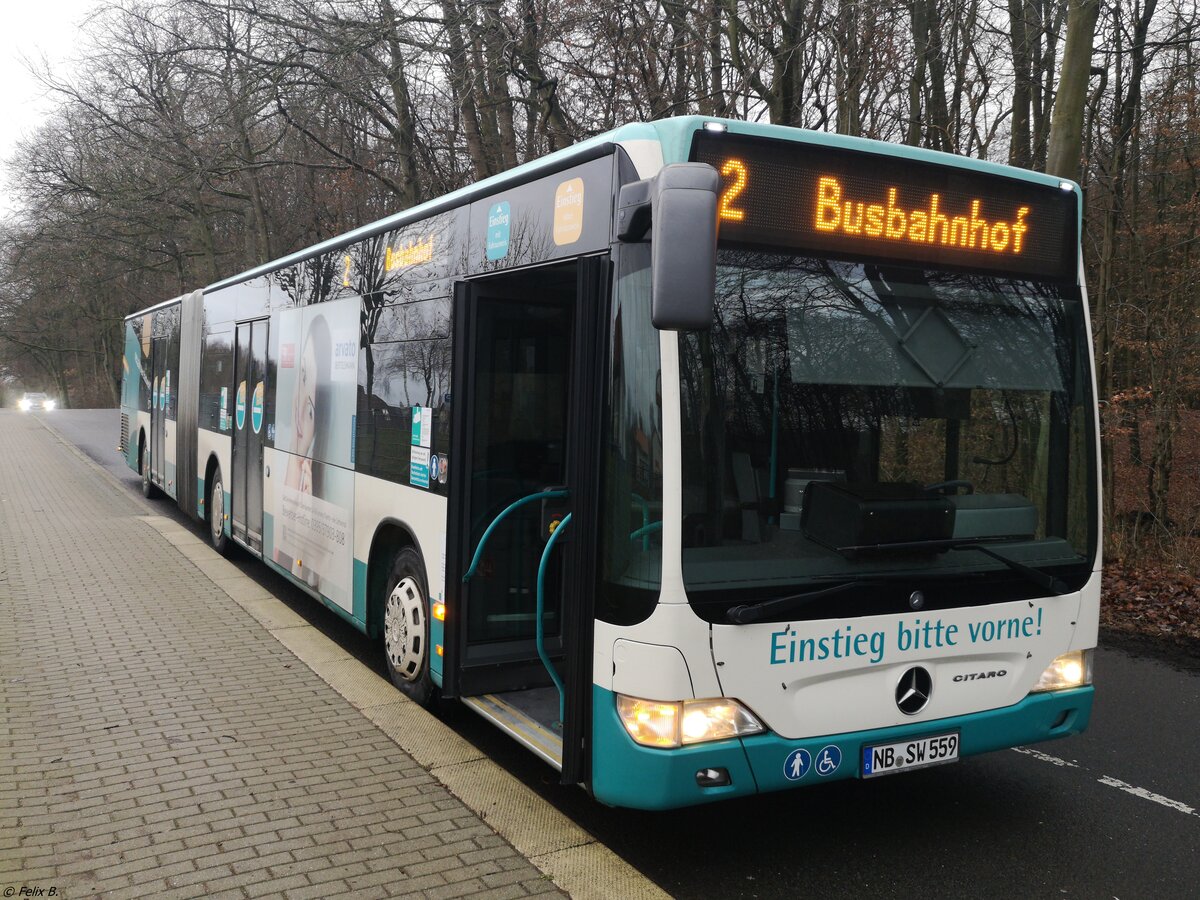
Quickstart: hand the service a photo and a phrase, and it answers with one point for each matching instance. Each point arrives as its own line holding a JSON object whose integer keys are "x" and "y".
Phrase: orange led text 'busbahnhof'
{"x": 925, "y": 225}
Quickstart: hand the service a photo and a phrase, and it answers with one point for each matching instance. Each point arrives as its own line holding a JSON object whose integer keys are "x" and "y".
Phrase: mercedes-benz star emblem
{"x": 914, "y": 690}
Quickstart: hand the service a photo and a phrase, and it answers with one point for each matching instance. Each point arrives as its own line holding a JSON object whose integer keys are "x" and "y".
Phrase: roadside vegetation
{"x": 195, "y": 138}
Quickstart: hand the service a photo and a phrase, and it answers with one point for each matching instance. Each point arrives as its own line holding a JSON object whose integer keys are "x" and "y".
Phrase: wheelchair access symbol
{"x": 797, "y": 764}
{"x": 828, "y": 760}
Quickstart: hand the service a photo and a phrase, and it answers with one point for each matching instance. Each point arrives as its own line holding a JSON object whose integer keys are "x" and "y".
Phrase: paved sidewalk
{"x": 156, "y": 740}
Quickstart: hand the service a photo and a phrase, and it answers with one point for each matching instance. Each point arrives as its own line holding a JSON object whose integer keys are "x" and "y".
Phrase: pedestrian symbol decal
{"x": 797, "y": 764}
{"x": 828, "y": 760}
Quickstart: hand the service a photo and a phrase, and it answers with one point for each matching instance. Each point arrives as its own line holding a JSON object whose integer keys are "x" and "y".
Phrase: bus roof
{"x": 675, "y": 136}
{"x": 671, "y": 140}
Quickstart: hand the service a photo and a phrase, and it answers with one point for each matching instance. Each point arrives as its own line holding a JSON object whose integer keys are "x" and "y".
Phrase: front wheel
{"x": 406, "y": 627}
{"x": 216, "y": 515}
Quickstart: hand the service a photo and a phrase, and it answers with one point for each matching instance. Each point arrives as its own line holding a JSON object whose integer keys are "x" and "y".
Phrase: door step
{"x": 529, "y": 716}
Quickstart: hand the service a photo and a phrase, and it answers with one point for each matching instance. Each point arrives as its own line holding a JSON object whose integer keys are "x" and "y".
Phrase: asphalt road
{"x": 1113, "y": 813}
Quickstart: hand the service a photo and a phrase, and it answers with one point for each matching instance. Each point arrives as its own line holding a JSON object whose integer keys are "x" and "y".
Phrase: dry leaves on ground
{"x": 1157, "y": 601}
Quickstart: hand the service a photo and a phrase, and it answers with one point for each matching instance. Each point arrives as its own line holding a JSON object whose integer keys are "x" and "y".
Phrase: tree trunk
{"x": 1162, "y": 456}
{"x": 849, "y": 76}
{"x": 1127, "y": 103}
{"x": 1018, "y": 148}
{"x": 919, "y": 16}
{"x": 404, "y": 131}
{"x": 938, "y": 112}
{"x": 459, "y": 65}
{"x": 1066, "y": 128}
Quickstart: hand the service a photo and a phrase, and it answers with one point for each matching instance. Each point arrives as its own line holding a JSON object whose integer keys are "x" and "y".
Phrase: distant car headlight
{"x": 653, "y": 723}
{"x": 48, "y": 404}
{"x": 25, "y": 404}
{"x": 1071, "y": 670}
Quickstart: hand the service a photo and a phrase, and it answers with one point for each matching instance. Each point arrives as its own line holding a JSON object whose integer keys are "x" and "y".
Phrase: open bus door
{"x": 525, "y": 446}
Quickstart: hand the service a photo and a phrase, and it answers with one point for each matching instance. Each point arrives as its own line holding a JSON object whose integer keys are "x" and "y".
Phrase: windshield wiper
{"x": 1037, "y": 576}
{"x": 1044, "y": 580}
{"x": 746, "y": 613}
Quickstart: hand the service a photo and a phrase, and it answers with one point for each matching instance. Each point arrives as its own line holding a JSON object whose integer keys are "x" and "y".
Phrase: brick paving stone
{"x": 159, "y": 741}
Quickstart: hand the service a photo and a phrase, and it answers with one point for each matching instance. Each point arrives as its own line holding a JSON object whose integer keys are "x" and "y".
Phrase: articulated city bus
{"x": 704, "y": 458}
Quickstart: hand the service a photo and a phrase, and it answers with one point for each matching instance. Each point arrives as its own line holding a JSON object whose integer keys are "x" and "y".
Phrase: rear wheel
{"x": 149, "y": 491}
{"x": 406, "y": 627}
{"x": 215, "y": 509}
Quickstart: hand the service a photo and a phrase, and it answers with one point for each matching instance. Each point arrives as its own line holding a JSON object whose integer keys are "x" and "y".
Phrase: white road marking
{"x": 1109, "y": 781}
{"x": 1147, "y": 795}
{"x": 1046, "y": 757}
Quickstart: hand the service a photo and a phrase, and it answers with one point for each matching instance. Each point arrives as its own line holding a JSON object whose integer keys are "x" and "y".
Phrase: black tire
{"x": 406, "y": 646}
{"x": 214, "y": 514}
{"x": 149, "y": 491}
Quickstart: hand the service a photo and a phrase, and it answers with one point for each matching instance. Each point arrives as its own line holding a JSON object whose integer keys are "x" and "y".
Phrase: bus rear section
{"x": 880, "y": 483}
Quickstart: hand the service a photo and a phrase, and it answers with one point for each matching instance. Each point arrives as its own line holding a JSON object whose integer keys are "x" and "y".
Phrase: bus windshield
{"x": 853, "y": 422}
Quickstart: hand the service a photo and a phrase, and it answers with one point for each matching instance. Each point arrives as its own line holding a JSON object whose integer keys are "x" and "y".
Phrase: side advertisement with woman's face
{"x": 313, "y": 496}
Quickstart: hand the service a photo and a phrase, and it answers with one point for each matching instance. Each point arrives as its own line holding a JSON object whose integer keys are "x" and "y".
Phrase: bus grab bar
{"x": 541, "y": 605}
{"x": 516, "y": 504}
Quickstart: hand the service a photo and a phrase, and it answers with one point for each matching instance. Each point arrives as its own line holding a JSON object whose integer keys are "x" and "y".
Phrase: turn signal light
{"x": 439, "y": 611}
{"x": 653, "y": 723}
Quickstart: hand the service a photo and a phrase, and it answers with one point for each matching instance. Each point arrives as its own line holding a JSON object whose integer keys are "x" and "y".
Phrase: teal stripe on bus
{"x": 626, "y": 774}
{"x": 359, "y": 593}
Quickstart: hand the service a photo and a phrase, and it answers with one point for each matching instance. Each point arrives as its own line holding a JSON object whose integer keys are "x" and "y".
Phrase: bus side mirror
{"x": 679, "y": 208}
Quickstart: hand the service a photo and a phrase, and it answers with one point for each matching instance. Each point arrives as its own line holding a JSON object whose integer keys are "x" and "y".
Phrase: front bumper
{"x": 626, "y": 774}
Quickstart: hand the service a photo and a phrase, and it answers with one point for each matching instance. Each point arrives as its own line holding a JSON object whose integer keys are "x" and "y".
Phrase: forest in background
{"x": 193, "y": 139}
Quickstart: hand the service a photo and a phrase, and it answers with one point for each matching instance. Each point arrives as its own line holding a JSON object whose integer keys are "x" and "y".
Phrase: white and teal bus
{"x": 704, "y": 458}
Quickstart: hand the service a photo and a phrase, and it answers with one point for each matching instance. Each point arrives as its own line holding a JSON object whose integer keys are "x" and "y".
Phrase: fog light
{"x": 1071, "y": 670}
{"x": 713, "y": 778}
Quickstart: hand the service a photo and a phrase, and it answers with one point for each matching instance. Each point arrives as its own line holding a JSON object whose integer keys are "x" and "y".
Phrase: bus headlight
{"x": 714, "y": 720}
{"x": 1071, "y": 670}
{"x": 653, "y": 723}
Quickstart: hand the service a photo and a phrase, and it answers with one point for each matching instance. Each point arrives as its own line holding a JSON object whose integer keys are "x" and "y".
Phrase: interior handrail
{"x": 541, "y": 603}
{"x": 516, "y": 504}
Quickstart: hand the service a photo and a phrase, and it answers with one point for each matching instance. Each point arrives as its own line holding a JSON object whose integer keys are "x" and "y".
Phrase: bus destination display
{"x": 849, "y": 203}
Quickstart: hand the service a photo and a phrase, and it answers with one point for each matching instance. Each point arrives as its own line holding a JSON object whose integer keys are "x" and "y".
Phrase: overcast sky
{"x": 32, "y": 29}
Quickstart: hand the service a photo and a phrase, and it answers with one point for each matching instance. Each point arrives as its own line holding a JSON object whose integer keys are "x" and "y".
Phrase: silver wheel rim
{"x": 404, "y": 629}
{"x": 216, "y": 512}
